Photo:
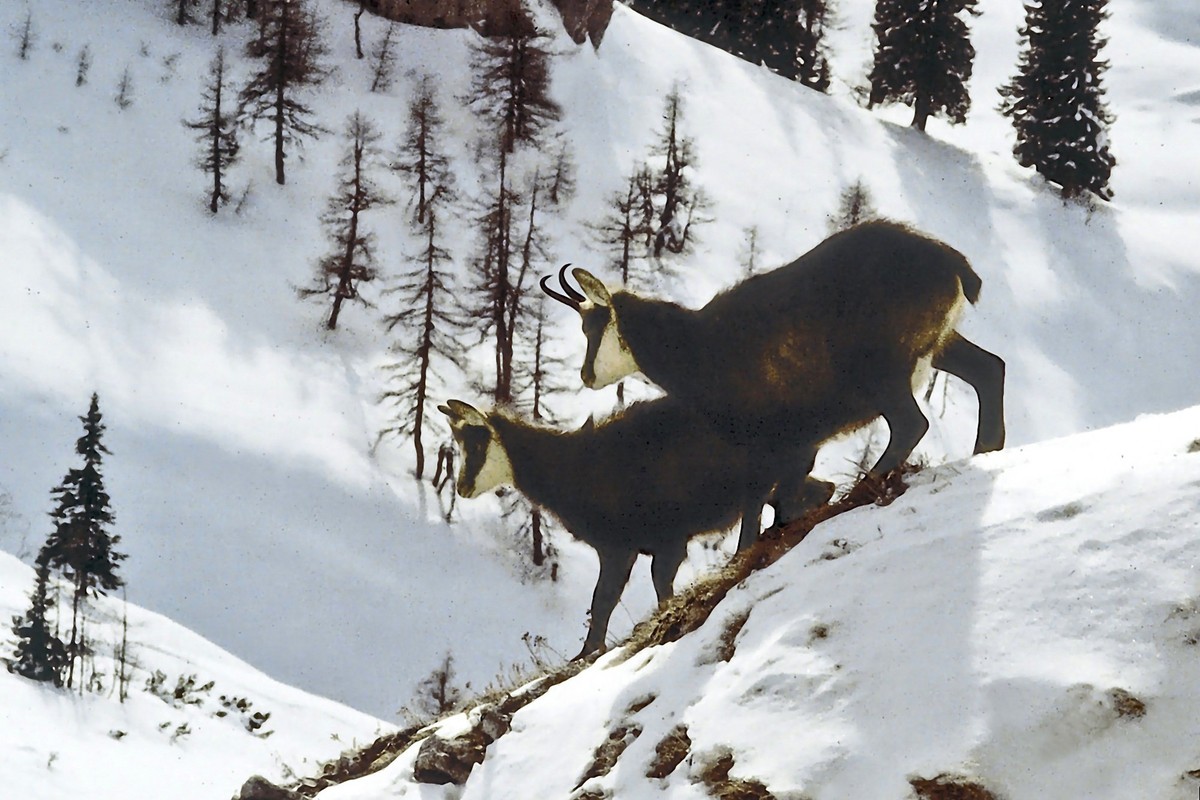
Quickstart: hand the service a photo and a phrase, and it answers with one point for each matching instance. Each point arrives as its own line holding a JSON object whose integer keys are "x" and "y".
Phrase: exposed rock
{"x": 441, "y": 761}
{"x": 582, "y": 19}
{"x": 585, "y": 19}
{"x": 259, "y": 788}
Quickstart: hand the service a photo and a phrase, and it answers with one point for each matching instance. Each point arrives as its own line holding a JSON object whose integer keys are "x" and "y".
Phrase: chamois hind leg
{"x": 615, "y": 566}
{"x": 907, "y": 424}
{"x": 985, "y": 372}
{"x": 798, "y": 491}
{"x": 664, "y": 566}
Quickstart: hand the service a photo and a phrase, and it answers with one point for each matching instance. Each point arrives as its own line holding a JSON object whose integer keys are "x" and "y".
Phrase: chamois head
{"x": 485, "y": 463}
{"x": 608, "y": 358}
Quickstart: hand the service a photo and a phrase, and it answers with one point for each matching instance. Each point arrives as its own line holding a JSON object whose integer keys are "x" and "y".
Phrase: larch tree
{"x": 290, "y": 47}
{"x": 351, "y": 261}
{"x": 40, "y": 655}
{"x": 1056, "y": 100}
{"x": 429, "y": 326}
{"x": 81, "y": 545}
{"x": 510, "y": 86}
{"x": 678, "y": 204}
{"x": 510, "y": 93}
{"x": 923, "y": 57}
{"x": 216, "y": 131}
{"x": 383, "y": 56}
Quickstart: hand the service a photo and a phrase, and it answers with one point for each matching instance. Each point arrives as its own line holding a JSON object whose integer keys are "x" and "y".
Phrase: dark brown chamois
{"x": 644, "y": 481}
{"x": 788, "y": 359}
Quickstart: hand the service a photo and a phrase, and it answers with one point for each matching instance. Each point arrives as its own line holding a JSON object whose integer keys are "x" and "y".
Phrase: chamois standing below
{"x": 786, "y": 360}
{"x": 644, "y": 481}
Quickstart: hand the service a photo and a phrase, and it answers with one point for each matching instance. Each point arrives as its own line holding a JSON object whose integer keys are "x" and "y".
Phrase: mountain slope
{"x": 59, "y": 744}
{"x": 1032, "y": 635}
{"x": 242, "y": 477}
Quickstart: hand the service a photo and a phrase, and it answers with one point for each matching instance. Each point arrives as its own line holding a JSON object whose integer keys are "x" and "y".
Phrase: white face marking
{"x": 496, "y": 470}
{"x": 613, "y": 360}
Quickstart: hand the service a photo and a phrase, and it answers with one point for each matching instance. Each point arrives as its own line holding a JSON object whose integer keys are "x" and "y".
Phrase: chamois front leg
{"x": 985, "y": 372}
{"x": 615, "y": 566}
{"x": 664, "y": 568}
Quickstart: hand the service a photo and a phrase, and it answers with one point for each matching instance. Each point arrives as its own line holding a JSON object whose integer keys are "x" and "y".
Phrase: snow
{"x": 991, "y": 623}
{"x": 60, "y": 744}
{"x": 256, "y": 514}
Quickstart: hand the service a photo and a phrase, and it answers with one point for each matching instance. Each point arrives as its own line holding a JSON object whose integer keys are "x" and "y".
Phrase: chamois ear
{"x": 592, "y": 287}
{"x": 461, "y": 413}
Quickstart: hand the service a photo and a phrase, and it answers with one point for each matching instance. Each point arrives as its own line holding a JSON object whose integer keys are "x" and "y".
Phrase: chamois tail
{"x": 971, "y": 283}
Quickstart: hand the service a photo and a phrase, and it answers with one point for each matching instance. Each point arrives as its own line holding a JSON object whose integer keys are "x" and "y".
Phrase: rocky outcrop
{"x": 583, "y": 19}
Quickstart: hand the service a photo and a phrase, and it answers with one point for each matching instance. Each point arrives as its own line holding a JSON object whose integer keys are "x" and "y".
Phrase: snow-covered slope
{"x": 240, "y": 433}
{"x": 1028, "y": 622}
{"x": 56, "y": 744}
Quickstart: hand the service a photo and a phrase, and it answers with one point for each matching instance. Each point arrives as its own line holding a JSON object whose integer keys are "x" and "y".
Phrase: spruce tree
{"x": 26, "y": 36}
{"x": 81, "y": 546}
{"x": 216, "y": 132}
{"x": 1056, "y": 100}
{"x": 40, "y": 655}
{"x": 923, "y": 57}
{"x": 351, "y": 262}
{"x": 292, "y": 52}
{"x": 811, "y": 59}
{"x": 855, "y": 206}
{"x": 383, "y": 55}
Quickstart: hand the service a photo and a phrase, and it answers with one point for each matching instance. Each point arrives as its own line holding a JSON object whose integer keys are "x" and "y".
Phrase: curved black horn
{"x": 572, "y": 297}
{"x": 571, "y": 291}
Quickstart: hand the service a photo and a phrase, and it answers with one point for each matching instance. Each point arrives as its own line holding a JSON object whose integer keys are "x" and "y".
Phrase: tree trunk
{"x": 358, "y": 51}
{"x": 216, "y": 17}
{"x": 921, "y": 114}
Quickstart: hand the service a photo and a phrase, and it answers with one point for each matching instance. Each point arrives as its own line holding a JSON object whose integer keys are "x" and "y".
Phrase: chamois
{"x": 787, "y": 359}
{"x": 644, "y": 481}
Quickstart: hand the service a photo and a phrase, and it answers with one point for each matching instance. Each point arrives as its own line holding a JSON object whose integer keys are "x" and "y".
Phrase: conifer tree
{"x": 384, "y": 57}
{"x": 429, "y": 325}
{"x": 292, "y": 52}
{"x": 923, "y": 57}
{"x": 216, "y": 132}
{"x": 677, "y": 203}
{"x": 626, "y": 229}
{"x": 40, "y": 655}
{"x": 855, "y": 206}
{"x": 26, "y": 36}
{"x": 811, "y": 58}
{"x": 81, "y": 546}
{"x": 500, "y": 293}
{"x": 351, "y": 262}
{"x": 510, "y": 85}
{"x": 1056, "y": 99}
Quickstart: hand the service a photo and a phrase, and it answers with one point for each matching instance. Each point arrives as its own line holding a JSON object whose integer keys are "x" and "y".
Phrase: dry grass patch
{"x": 670, "y": 752}
{"x": 950, "y": 787}
{"x": 715, "y": 777}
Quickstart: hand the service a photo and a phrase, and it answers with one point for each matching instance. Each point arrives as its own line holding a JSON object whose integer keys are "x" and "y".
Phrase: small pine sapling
{"x": 855, "y": 206}
{"x": 25, "y": 36}
{"x": 124, "y": 95}
{"x": 83, "y": 64}
{"x": 678, "y": 205}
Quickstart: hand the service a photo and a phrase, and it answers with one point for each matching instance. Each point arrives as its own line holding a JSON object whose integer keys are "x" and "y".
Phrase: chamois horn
{"x": 572, "y": 296}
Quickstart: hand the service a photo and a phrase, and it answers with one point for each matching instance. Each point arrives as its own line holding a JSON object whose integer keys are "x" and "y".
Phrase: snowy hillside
{"x": 242, "y": 477}
{"x": 1027, "y": 622}
{"x": 55, "y": 744}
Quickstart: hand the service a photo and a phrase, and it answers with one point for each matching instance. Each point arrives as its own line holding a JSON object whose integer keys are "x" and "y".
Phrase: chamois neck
{"x": 661, "y": 335}
{"x": 540, "y": 457}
